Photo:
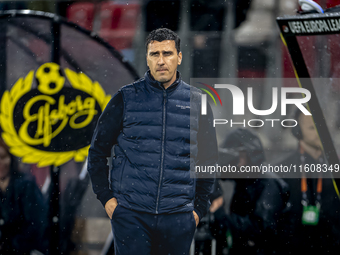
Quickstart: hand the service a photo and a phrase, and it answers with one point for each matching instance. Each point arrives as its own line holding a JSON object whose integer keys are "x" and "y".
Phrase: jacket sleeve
{"x": 207, "y": 156}
{"x": 108, "y": 128}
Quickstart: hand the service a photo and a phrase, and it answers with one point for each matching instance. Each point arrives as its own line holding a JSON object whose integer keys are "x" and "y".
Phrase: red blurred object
{"x": 247, "y": 73}
{"x": 82, "y": 14}
{"x": 287, "y": 69}
{"x": 40, "y": 174}
{"x": 332, "y": 3}
{"x": 119, "y": 23}
{"x": 329, "y": 3}
{"x": 334, "y": 52}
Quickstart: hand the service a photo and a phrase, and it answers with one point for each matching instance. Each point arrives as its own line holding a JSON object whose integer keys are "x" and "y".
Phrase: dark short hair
{"x": 162, "y": 34}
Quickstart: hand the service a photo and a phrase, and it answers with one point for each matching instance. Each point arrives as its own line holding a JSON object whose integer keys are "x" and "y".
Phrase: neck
{"x": 4, "y": 183}
{"x": 315, "y": 153}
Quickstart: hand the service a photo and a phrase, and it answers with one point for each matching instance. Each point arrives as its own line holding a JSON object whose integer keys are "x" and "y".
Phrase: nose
{"x": 160, "y": 60}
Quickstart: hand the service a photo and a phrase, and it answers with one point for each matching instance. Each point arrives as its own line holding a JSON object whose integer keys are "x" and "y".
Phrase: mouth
{"x": 162, "y": 70}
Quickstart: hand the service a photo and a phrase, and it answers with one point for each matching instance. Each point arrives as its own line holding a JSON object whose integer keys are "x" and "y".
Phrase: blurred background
{"x": 234, "y": 39}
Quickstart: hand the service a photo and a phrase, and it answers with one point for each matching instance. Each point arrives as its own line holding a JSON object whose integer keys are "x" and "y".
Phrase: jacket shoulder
{"x": 190, "y": 87}
{"x": 134, "y": 84}
{"x": 195, "y": 93}
{"x": 274, "y": 179}
{"x": 25, "y": 179}
{"x": 25, "y": 184}
{"x": 132, "y": 87}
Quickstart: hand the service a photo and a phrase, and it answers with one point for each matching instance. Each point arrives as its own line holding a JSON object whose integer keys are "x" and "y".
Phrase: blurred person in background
{"x": 13, "y": 5}
{"x": 313, "y": 219}
{"x": 256, "y": 206}
{"x": 23, "y": 210}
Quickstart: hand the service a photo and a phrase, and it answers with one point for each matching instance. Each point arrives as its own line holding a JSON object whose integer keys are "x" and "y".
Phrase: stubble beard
{"x": 164, "y": 80}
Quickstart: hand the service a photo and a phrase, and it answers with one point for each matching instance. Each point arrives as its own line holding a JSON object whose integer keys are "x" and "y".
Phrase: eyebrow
{"x": 164, "y": 52}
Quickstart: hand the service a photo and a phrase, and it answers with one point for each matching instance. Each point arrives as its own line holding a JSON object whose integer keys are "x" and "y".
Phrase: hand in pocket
{"x": 111, "y": 206}
{"x": 197, "y": 219}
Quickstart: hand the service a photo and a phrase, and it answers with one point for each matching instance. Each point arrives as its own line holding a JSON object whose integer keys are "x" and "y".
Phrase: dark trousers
{"x": 149, "y": 234}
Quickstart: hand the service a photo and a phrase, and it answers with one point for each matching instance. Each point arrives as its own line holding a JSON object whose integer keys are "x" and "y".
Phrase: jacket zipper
{"x": 162, "y": 156}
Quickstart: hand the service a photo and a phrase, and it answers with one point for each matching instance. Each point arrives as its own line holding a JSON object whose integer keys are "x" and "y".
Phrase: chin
{"x": 162, "y": 80}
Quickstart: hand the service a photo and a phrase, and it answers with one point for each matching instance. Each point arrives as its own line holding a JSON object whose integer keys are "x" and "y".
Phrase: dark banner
{"x": 312, "y": 24}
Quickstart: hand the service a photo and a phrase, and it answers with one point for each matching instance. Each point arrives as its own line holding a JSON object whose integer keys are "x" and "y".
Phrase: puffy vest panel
{"x": 151, "y": 168}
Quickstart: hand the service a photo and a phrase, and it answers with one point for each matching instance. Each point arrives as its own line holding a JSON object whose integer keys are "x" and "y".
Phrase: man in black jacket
{"x": 257, "y": 205}
{"x": 154, "y": 125}
{"x": 23, "y": 211}
{"x": 310, "y": 194}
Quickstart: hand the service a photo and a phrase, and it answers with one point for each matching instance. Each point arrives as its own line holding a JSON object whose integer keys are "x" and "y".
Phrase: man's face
{"x": 309, "y": 134}
{"x": 162, "y": 59}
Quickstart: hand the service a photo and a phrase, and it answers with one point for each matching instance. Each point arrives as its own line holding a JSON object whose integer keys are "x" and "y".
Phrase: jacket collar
{"x": 158, "y": 85}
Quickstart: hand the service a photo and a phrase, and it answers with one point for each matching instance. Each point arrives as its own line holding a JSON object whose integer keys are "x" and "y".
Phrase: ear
{"x": 147, "y": 62}
{"x": 179, "y": 58}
